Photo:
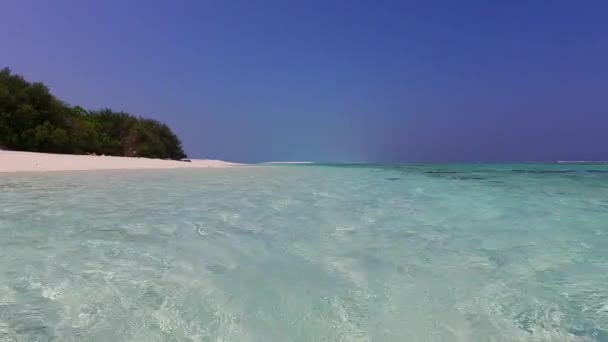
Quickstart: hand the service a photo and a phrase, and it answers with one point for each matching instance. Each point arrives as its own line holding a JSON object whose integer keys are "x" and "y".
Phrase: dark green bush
{"x": 32, "y": 119}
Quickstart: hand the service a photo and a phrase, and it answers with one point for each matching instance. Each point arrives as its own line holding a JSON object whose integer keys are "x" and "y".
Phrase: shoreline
{"x": 18, "y": 161}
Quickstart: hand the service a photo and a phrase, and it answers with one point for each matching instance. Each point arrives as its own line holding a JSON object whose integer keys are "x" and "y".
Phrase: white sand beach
{"x": 14, "y": 161}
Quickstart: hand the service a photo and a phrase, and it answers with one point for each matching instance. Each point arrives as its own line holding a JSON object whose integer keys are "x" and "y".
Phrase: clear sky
{"x": 376, "y": 81}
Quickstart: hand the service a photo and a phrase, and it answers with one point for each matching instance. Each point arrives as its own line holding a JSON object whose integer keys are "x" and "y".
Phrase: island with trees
{"x": 32, "y": 119}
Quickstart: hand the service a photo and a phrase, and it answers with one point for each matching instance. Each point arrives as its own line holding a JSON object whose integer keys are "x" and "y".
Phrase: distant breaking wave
{"x": 291, "y": 162}
{"x": 582, "y": 162}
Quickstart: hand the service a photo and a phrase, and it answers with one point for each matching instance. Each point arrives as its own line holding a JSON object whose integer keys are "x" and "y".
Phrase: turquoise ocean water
{"x": 306, "y": 253}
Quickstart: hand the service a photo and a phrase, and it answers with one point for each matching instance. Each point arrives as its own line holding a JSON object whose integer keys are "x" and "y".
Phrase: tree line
{"x": 32, "y": 119}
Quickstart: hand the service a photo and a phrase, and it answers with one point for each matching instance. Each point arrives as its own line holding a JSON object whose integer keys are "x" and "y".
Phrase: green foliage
{"x": 32, "y": 119}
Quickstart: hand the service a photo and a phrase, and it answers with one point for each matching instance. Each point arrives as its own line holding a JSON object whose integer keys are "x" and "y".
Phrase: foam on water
{"x": 307, "y": 253}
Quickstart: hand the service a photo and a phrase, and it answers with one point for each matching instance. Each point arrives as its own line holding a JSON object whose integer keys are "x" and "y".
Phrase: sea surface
{"x": 306, "y": 253}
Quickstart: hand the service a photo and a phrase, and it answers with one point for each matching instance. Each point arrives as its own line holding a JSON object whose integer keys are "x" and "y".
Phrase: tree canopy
{"x": 32, "y": 119}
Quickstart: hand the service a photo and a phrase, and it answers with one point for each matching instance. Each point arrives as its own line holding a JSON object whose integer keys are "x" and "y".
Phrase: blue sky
{"x": 377, "y": 81}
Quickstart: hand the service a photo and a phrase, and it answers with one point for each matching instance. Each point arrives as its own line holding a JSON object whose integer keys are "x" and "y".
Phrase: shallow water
{"x": 306, "y": 253}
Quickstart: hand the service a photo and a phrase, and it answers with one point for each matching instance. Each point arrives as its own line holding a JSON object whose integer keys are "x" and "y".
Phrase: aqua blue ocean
{"x": 306, "y": 253}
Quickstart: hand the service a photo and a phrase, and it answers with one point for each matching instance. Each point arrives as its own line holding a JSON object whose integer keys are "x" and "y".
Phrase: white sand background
{"x": 14, "y": 161}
